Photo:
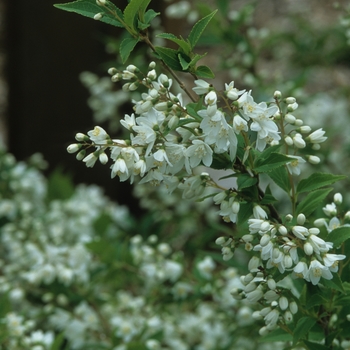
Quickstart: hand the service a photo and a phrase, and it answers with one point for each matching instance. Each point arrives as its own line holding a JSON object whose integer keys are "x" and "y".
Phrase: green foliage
{"x": 318, "y": 180}
{"x": 89, "y": 8}
{"x": 312, "y": 201}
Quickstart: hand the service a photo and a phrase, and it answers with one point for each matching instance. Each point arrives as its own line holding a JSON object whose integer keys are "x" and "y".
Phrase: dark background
{"x": 46, "y": 50}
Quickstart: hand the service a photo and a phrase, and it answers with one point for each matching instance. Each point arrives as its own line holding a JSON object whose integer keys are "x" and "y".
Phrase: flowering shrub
{"x": 283, "y": 274}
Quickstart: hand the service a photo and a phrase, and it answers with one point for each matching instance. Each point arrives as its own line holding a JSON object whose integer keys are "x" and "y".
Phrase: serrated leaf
{"x": 184, "y": 45}
{"x": 245, "y": 181}
{"x": 280, "y": 178}
{"x": 169, "y": 56}
{"x": 184, "y": 63}
{"x": 302, "y": 327}
{"x": 312, "y": 201}
{"x": 266, "y": 153}
{"x": 89, "y": 8}
{"x": 272, "y": 161}
{"x": 339, "y": 235}
{"x": 126, "y": 47}
{"x": 198, "y": 29}
{"x": 204, "y": 72}
{"x": 318, "y": 180}
{"x": 134, "y": 8}
{"x": 276, "y": 335}
{"x": 334, "y": 283}
{"x": 150, "y": 15}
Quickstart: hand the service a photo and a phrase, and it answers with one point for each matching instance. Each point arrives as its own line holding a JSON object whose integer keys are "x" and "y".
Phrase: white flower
{"x": 231, "y": 92}
{"x": 317, "y": 136}
{"x": 300, "y": 232}
{"x": 129, "y": 121}
{"x": 206, "y": 267}
{"x": 202, "y": 87}
{"x": 259, "y": 213}
{"x": 98, "y": 135}
{"x": 119, "y": 168}
{"x": 317, "y": 270}
{"x": 330, "y": 209}
{"x": 239, "y": 124}
{"x": 198, "y": 152}
{"x": 301, "y": 270}
{"x": 332, "y": 260}
{"x": 294, "y": 166}
{"x": 90, "y": 160}
{"x": 299, "y": 141}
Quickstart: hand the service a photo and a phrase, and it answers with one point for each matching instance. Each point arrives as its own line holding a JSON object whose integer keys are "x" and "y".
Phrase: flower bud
{"x": 81, "y": 137}
{"x": 101, "y": 2}
{"x": 98, "y": 16}
{"x": 338, "y": 198}
{"x": 112, "y": 71}
{"x": 288, "y": 316}
{"x": 289, "y": 118}
{"x": 319, "y": 222}
{"x": 103, "y": 158}
{"x": 305, "y": 129}
{"x": 277, "y": 95}
{"x": 74, "y": 147}
{"x": 81, "y": 154}
{"x": 282, "y": 230}
{"x": 247, "y": 238}
{"x": 313, "y": 159}
{"x": 271, "y": 283}
{"x": 220, "y": 241}
{"x": 288, "y": 140}
{"x": 293, "y": 307}
{"x": 298, "y": 122}
{"x": 290, "y": 100}
{"x": 283, "y": 303}
{"x": 298, "y": 141}
{"x": 301, "y": 219}
{"x": 308, "y": 249}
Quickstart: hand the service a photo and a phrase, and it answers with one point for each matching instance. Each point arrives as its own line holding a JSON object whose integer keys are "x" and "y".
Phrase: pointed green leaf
{"x": 134, "y": 8}
{"x": 272, "y": 161}
{"x": 184, "y": 63}
{"x": 58, "y": 342}
{"x": 245, "y": 181}
{"x": 276, "y": 335}
{"x": 303, "y": 326}
{"x": 150, "y": 15}
{"x": 315, "y": 346}
{"x": 169, "y": 56}
{"x": 89, "y": 8}
{"x": 204, "y": 72}
{"x": 334, "y": 283}
{"x": 266, "y": 153}
{"x": 280, "y": 177}
{"x": 318, "y": 180}
{"x": 198, "y": 29}
{"x": 126, "y": 47}
{"x": 185, "y": 46}
{"x": 312, "y": 201}
{"x": 339, "y": 236}
{"x": 268, "y": 197}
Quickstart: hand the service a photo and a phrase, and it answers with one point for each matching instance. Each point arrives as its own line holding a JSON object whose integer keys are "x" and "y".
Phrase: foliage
{"x": 284, "y": 234}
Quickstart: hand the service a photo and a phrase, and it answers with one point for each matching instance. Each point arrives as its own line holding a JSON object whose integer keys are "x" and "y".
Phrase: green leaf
{"x": 184, "y": 63}
{"x": 302, "y": 327}
{"x": 266, "y": 153}
{"x": 268, "y": 197}
{"x": 312, "y": 201}
{"x": 245, "y": 212}
{"x": 245, "y": 181}
{"x": 334, "y": 283}
{"x": 315, "y": 300}
{"x": 149, "y": 16}
{"x": 134, "y": 8}
{"x": 59, "y": 186}
{"x": 126, "y": 47}
{"x": 315, "y": 346}
{"x": 198, "y": 29}
{"x": 170, "y": 58}
{"x": 185, "y": 46}
{"x": 58, "y": 342}
{"x": 280, "y": 177}
{"x": 318, "y": 180}
{"x": 204, "y": 72}
{"x": 272, "y": 161}
{"x": 89, "y": 8}
{"x": 339, "y": 235}
{"x": 276, "y": 335}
